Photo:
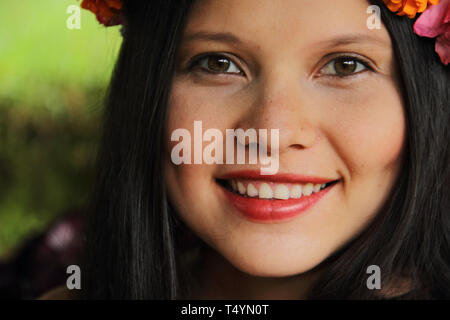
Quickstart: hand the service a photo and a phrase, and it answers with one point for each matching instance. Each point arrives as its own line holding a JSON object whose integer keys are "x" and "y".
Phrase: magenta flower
{"x": 435, "y": 23}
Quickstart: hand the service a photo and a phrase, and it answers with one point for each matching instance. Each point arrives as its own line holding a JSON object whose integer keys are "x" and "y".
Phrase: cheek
{"x": 183, "y": 109}
{"x": 189, "y": 185}
{"x": 370, "y": 136}
{"x": 215, "y": 107}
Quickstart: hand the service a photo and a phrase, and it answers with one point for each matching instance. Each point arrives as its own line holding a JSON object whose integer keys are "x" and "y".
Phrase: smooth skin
{"x": 279, "y": 68}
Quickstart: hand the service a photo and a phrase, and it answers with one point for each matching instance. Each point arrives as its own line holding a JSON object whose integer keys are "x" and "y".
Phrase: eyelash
{"x": 196, "y": 62}
{"x": 346, "y": 57}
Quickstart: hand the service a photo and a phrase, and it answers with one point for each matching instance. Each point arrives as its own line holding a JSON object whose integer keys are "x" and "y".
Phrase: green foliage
{"x": 52, "y": 83}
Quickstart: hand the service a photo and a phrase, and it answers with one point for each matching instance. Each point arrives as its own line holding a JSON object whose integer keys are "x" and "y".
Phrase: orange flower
{"x": 409, "y": 7}
{"x": 108, "y": 12}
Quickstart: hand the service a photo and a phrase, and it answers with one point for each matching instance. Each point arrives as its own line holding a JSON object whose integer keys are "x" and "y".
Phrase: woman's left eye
{"x": 344, "y": 67}
{"x": 216, "y": 63}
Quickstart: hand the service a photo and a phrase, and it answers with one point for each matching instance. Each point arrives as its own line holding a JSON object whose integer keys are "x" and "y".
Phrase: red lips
{"x": 273, "y": 210}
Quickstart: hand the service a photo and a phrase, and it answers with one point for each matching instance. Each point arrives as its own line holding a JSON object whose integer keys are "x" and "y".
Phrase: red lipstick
{"x": 275, "y": 210}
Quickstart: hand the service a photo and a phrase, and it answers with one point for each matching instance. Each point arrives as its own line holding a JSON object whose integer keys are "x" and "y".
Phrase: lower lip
{"x": 262, "y": 210}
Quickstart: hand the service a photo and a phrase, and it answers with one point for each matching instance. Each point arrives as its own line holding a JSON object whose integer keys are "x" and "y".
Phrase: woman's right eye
{"x": 215, "y": 63}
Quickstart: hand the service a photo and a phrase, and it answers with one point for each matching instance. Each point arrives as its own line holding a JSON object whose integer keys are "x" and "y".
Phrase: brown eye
{"x": 219, "y": 64}
{"x": 343, "y": 67}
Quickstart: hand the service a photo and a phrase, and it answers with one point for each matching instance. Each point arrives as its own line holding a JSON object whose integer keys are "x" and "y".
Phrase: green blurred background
{"x": 52, "y": 83}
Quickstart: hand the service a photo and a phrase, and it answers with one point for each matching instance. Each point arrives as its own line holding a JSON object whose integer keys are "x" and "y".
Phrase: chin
{"x": 274, "y": 264}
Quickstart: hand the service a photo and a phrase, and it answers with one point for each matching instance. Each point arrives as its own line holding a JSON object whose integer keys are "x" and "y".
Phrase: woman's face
{"x": 316, "y": 72}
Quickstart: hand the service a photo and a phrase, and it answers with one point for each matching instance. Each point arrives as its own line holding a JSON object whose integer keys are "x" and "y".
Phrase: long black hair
{"x": 132, "y": 243}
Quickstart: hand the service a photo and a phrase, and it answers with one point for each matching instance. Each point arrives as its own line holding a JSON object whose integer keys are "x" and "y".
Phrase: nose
{"x": 279, "y": 102}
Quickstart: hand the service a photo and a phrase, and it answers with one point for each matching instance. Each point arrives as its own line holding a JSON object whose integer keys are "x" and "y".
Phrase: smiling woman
{"x": 363, "y": 156}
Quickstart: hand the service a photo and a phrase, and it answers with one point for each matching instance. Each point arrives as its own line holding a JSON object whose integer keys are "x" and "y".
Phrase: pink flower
{"x": 435, "y": 23}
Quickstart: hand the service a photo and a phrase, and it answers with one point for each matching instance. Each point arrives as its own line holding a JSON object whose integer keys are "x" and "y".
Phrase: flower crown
{"x": 108, "y": 12}
{"x": 434, "y": 22}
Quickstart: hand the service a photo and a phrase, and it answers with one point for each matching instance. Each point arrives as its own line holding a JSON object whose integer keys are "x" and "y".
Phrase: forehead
{"x": 276, "y": 23}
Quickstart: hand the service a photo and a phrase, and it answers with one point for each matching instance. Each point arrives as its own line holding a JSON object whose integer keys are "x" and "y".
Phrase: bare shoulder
{"x": 59, "y": 293}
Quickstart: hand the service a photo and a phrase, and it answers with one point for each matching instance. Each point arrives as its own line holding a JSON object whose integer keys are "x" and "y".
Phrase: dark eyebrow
{"x": 341, "y": 40}
{"x": 352, "y": 39}
{"x": 213, "y": 36}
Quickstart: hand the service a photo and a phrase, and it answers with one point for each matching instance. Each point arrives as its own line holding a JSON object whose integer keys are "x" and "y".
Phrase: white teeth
{"x": 307, "y": 189}
{"x": 281, "y": 192}
{"x": 296, "y": 191}
{"x": 241, "y": 188}
{"x": 265, "y": 191}
{"x": 277, "y": 191}
{"x": 251, "y": 190}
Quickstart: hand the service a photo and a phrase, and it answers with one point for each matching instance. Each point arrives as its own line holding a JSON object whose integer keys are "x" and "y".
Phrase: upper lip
{"x": 280, "y": 177}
